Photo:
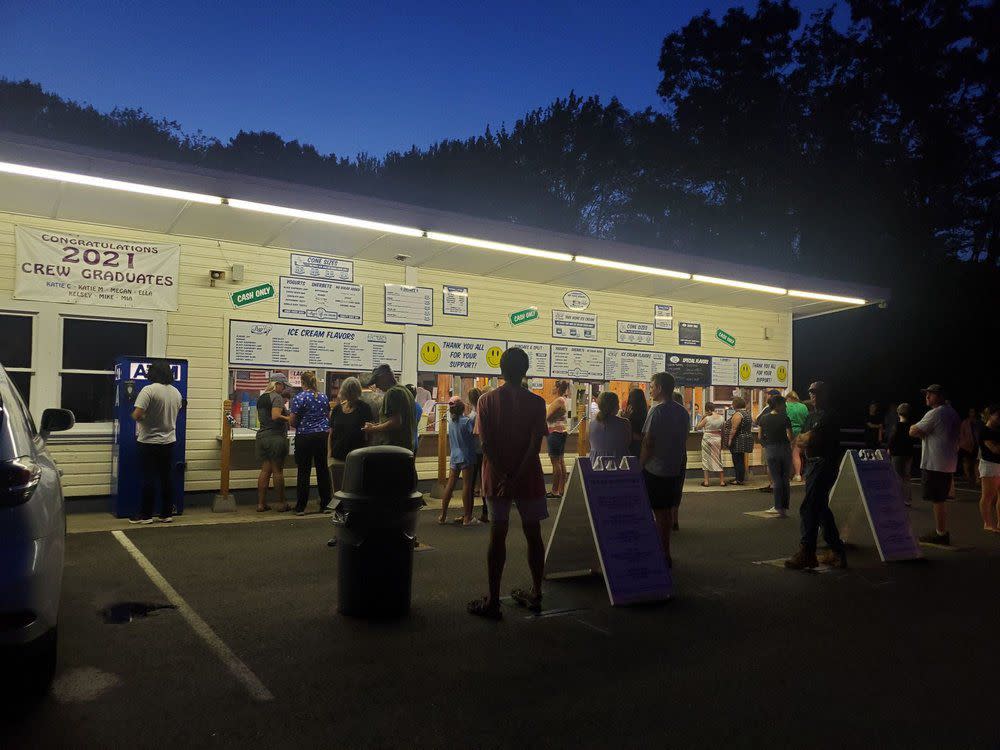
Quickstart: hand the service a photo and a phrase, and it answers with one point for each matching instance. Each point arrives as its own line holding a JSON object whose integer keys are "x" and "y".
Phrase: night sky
{"x": 346, "y": 77}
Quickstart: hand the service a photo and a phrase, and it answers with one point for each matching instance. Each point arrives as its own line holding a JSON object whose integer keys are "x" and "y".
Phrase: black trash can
{"x": 376, "y": 518}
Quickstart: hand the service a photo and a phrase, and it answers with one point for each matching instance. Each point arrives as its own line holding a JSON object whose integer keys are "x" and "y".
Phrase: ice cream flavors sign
{"x": 83, "y": 269}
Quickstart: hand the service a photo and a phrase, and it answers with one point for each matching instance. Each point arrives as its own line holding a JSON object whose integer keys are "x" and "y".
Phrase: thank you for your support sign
{"x": 81, "y": 269}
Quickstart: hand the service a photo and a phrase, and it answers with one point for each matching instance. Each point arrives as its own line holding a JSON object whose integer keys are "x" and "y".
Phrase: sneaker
{"x": 804, "y": 559}
{"x": 832, "y": 558}
{"x": 772, "y": 511}
{"x": 935, "y": 538}
{"x": 142, "y": 521}
{"x": 165, "y": 519}
{"x": 300, "y": 512}
{"x": 797, "y": 478}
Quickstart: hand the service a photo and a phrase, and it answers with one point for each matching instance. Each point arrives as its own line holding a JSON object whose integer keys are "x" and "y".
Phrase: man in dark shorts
{"x": 510, "y": 422}
{"x": 820, "y": 439}
{"x": 663, "y": 455}
{"x": 939, "y": 431}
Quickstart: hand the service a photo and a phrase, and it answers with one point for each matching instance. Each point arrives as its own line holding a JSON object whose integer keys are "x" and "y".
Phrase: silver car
{"x": 32, "y": 539}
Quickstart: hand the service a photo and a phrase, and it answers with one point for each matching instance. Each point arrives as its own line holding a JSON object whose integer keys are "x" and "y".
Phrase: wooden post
{"x": 582, "y": 440}
{"x": 224, "y": 502}
{"x": 442, "y": 450}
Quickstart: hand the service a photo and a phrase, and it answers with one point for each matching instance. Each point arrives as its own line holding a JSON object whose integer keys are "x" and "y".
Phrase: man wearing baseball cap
{"x": 939, "y": 431}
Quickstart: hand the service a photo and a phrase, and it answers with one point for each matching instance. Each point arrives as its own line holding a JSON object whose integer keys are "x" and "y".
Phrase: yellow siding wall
{"x": 197, "y": 331}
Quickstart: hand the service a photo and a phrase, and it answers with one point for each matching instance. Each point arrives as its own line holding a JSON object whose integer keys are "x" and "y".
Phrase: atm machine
{"x": 126, "y": 481}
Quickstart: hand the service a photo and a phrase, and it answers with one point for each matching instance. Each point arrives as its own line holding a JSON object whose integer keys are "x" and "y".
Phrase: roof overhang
{"x": 66, "y": 182}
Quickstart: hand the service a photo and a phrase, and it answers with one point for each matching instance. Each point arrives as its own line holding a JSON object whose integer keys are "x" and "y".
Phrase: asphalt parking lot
{"x": 746, "y": 655}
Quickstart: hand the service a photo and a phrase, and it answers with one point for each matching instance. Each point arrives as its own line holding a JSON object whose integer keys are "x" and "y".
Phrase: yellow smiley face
{"x": 430, "y": 352}
{"x": 493, "y": 355}
{"x": 745, "y": 371}
{"x": 782, "y": 373}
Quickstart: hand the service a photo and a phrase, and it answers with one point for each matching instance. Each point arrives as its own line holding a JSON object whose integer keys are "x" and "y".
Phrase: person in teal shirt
{"x": 797, "y": 413}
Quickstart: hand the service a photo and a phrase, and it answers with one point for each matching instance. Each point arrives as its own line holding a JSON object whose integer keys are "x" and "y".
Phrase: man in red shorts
{"x": 510, "y": 422}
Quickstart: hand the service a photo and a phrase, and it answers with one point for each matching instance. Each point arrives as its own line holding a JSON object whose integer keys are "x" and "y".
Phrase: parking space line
{"x": 258, "y": 691}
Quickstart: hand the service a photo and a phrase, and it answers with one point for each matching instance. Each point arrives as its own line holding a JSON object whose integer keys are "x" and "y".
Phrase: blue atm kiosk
{"x": 126, "y": 485}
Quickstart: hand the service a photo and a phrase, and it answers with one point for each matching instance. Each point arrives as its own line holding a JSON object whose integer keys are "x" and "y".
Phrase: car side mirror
{"x": 56, "y": 420}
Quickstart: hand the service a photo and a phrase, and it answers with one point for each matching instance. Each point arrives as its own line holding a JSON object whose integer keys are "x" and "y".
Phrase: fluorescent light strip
{"x": 347, "y": 221}
{"x": 740, "y": 284}
{"x": 827, "y": 297}
{"x": 632, "y": 267}
{"x": 502, "y": 247}
{"x": 101, "y": 182}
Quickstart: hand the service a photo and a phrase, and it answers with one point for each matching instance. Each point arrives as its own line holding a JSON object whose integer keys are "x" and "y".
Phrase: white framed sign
{"x": 631, "y": 365}
{"x": 574, "y": 325}
{"x": 539, "y": 357}
{"x": 409, "y": 305}
{"x": 768, "y": 373}
{"x": 453, "y": 354}
{"x": 56, "y": 266}
{"x": 663, "y": 317}
{"x": 725, "y": 371}
{"x": 577, "y": 362}
{"x": 455, "y": 300}
{"x": 321, "y": 301}
{"x": 259, "y": 345}
{"x": 576, "y": 300}
{"x": 321, "y": 267}
{"x": 633, "y": 332}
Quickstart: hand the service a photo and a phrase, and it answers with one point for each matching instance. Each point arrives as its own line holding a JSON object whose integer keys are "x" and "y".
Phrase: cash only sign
{"x": 101, "y": 271}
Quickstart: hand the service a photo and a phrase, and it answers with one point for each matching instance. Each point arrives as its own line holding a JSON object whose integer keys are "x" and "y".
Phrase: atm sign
{"x": 257, "y": 293}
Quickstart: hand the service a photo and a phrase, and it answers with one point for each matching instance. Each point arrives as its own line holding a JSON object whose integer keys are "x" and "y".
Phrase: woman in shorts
{"x": 557, "y": 418}
{"x": 989, "y": 470}
{"x": 462, "y": 456}
{"x": 271, "y": 443}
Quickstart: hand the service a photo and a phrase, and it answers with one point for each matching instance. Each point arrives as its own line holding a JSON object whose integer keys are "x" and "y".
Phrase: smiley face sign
{"x": 745, "y": 371}
{"x": 430, "y": 352}
{"x": 493, "y": 355}
{"x": 782, "y": 373}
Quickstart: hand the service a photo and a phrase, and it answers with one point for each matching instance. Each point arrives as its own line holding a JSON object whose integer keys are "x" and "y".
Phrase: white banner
{"x": 262, "y": 345}
{"x": 75, "y": 268}
{"x": 460, "y": 355}
{"x": 764, "y": 372}
{"x": 321, "y": 301}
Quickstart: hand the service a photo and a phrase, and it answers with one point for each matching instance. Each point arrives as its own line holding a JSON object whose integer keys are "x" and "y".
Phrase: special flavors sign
{"x": 101, "y": 271}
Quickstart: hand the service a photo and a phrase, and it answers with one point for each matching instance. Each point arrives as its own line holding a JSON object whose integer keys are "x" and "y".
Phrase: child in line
{"x": 463, "y": 461}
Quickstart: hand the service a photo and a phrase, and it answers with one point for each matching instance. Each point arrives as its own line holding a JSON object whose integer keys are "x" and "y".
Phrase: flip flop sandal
{"x": 526, "y": 600}
{"x": 284, "y": 508}
{"x": 263, "y": 509}
{"x": 705, "y": 484}
{"x": 442, "y": 521}
{"x": 473, "y": 522}
{"x": 480, "y": 608}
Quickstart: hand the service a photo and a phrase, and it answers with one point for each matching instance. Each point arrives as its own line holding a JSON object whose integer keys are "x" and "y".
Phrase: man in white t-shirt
{"x": 155, "y": 413}
{"x": 938, "y": 457}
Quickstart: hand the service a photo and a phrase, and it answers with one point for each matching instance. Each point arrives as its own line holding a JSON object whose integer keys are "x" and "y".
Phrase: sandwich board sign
{"x": 867, "y": 481}
{"x": 605, "y": 525}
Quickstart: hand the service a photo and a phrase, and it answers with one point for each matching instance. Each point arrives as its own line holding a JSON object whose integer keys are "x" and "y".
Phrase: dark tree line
{"x": 867, "y": 153}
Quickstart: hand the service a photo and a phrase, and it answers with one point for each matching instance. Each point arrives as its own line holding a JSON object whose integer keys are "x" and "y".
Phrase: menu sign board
{"x": 321, "y": 301}
{"x": 577, "y": 362}
{"x": 455, "y": 300}
{"x": 460, "y": 355}
{"x": 767, "y": 373}
{"x": 574, "y": 325}
{"x": 631, "y": 365}
{"x": 725, "y": 371}
{"x": 663, "y": 317}
{"x": 322, "y": 267}
{"x": 409, "y": 305}
{"x": 632, "y": 332}
{"x": 260, "y": 345}
{"x": 539, "y": 357}
{"x": 689, "y": 334}
{"x": 689, "y": 370}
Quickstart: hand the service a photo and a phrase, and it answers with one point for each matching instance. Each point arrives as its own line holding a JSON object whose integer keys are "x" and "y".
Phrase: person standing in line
{"x": 477, "y": 470}
{"x": 938, "y": 430}
{"x": 820, "y": 439}
{"x": 271, "y": 443}
{"x": 797, "y": 413}
{"x": 873, "y": 427}
{"x": 372, "y": 396}
{"x": 968, "y": 446}
{"x": 889, "y": 422}
{"x": 635, "y": 412}
{"x": 901, "y": 451}
{"x": 155, "y": 412}
{"x": 347, "y": 418}
{"x": 609, "y": 434}
{"x": 462, "y": 452}
{"x": 663, "y": 456}
{"x": 395, "y": 414}
{"x": 557, "y": 417}
{"x": 776, "y": 437}
{"x": 512, "y": 424}
{"x": 989, "y": 469}
{"x": 418, "y": 412}
{"x": 740, "y": 438}
{"x": 310, "y": 416}
{"x": 711, "y": 444}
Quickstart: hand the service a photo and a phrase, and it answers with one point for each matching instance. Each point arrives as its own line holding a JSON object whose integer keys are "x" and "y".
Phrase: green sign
{"x": 523, "y": 316}
{"x": 725, "y": 338}
{"x": 257, "y": 293}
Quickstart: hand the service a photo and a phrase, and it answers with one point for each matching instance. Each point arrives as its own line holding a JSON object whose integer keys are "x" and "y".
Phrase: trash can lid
{"x": 379, "y": 472}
